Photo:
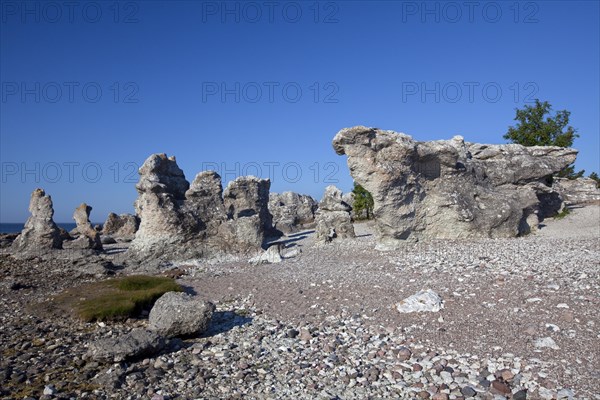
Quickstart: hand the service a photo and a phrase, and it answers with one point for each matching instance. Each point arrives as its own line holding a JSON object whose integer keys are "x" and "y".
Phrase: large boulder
{"x": 292, "y": 212}
{"x": 40, "y": 233}
{"x": 122, "y": 227}
{"x": 333, "y": 217}
{"x": 180, "y": 314}
{"x": 179, "y": 221}
{"x": 88, "y": 237}
{"x": 448, "y": 188}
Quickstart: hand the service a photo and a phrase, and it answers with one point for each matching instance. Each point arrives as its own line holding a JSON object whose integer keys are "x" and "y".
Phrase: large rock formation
{"x": 333, "y": 217}
{"x": 40, "y": 233}
{"x": 292, "y": 212}
{"x": 88, "y": 238}
{"x": 180, "y": 221}
{"x": 122, "y": 227}
{"x": 449, "y": 188}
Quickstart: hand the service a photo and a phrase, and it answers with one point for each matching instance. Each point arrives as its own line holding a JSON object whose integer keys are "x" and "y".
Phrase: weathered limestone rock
{"x": 270, "y": 256}
{"x": 122, "y": 227}
{"x": 422, "y": 301}
{"x": 205, "y": 199}
{"x": 40, "y": 233}
{"x": 135, "y": 344}
{"x": 246, "y": 201}
{"x": 448, "y": 188}
{"x": 7, "y": 239}
{"x": 164, "y": 225}
{"x": 577, "y": 191}
{"x": 292, "y": 212}
{"x": 333, "y": 217}
{"x": 180, "y": 314}
{"x": 89, "y": 238}
{"x": 180, "y": 221}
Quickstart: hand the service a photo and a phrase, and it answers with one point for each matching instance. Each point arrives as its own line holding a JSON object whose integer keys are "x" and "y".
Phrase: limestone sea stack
{"x": 40, "y": 233}
{"x": 179, "y": 221}
{"x": 449, "y": 188}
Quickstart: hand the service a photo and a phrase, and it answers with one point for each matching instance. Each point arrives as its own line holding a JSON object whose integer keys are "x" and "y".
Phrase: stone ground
{"x": 520, "y": 320}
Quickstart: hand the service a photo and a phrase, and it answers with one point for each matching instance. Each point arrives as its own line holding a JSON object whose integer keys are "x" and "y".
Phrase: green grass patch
{"x": 117, "y": 299}
{"x": 563, "y": 213}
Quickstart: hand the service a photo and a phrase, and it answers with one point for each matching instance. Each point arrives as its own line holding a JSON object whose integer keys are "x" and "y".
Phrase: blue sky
{"x": 90, "y": 91}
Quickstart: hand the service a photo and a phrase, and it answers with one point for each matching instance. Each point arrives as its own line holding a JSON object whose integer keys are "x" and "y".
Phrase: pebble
{"x": 546, "y": 342}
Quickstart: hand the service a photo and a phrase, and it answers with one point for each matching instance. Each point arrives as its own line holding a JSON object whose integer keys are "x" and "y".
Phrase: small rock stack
{"x": 40, "y": 233}
{"x": 292, "y": 212}
{"x": 333, "y": 218}
{"x": 89, "y": 238}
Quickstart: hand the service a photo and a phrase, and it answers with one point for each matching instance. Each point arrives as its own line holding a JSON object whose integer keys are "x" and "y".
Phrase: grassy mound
{"x": 119, "y": 298}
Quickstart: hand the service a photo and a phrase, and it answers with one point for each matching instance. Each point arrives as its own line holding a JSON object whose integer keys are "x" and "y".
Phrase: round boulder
{"x": 180, "y": 314}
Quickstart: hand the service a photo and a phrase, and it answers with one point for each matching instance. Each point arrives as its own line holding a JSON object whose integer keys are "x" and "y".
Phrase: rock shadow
{"x": 223, "y": 321}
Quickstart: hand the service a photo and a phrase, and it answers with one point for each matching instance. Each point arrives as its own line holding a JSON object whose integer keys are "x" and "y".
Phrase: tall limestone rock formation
{"x": 179, "y": 221}
{"x": 449, "y": 188}
{"x": 40, "y": 233}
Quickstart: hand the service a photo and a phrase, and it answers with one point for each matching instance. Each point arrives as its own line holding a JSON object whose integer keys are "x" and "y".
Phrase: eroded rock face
{"x": 577, "y": 191}
{"x": 333, "y": 217}
{"x": 89, "y": 238}
{"x": 122, "y": 227}
{"x": 40, "y": 233}
{"x": 246, "y": 201}
{"x": 448, "y": 188}
{"x": 292, "y": 212}
{"x": 180, "y": 221}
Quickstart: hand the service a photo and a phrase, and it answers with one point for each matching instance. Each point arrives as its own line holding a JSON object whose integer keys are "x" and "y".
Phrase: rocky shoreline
{"x": 519, "y": 321}
{"x": 460, "y": 287}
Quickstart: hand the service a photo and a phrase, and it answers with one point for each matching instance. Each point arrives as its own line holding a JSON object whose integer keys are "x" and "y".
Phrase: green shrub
{"x": 563, "y": 213}
{"x": 119, "y": 298}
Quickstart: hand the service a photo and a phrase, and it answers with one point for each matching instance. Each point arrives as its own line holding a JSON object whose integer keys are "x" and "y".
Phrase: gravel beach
{"x": 519, "y": 320}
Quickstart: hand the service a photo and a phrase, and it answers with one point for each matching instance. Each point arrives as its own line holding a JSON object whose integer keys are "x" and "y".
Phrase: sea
{"x": 17, "y": 228}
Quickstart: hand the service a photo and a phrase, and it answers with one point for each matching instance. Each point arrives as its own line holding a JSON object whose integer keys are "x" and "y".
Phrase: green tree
{"x": 363, "y": 201}
{"x": 536, "y": 126}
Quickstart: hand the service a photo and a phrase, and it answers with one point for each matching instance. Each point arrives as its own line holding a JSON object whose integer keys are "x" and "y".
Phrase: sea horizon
{"x": 16, "y": 227}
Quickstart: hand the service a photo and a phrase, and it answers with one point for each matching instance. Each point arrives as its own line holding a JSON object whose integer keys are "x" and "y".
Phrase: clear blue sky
{"x": 183, "y": 78}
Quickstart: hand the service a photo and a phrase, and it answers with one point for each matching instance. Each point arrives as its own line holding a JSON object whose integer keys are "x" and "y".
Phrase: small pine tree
{"x": 534, "y": 128}
{"x": 363, "y": 201}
